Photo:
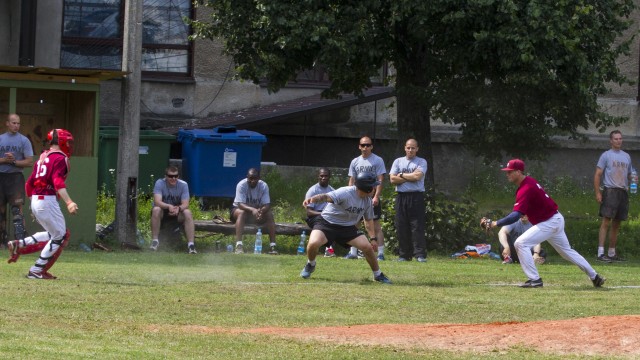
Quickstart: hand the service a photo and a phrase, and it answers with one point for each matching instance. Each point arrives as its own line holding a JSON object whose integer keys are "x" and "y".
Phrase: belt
{"x": 42, "y": 197}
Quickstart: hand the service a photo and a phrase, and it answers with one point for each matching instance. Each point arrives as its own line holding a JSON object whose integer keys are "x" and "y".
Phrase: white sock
{"x": 239, "y": 242}
{"x": 156, "y": 240}
{"x": 381, "y": 250}
{"x": 190, "y": 243}
{"x": 612, "y": 251}
{"x": 600, "y": 250}
{"x": 354, "y": 250}
{"x": 272, "y": 244}
{"x": 312, "y": 263}
{"x": 376, "y": 273}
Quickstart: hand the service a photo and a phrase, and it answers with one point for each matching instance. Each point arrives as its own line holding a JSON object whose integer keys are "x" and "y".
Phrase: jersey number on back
{"x": 41, "y": 169}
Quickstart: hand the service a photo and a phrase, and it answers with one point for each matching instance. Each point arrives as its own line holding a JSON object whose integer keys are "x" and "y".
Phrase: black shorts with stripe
{"x": 337, "y": 234}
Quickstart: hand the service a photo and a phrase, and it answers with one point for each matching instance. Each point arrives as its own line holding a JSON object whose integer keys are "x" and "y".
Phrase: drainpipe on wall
{"x": 27, "y": 52}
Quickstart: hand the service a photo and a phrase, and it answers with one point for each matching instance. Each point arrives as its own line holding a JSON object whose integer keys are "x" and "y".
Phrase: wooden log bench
{"x": 228, "y": 228}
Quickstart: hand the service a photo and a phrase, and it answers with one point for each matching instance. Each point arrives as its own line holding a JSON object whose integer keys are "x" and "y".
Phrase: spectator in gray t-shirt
{"x": 253, "y": 205}
{"x": 171, "y": 200}
{"x": 614, "y": 170}
{"x": 16, "y": 153}
{"x": 372, "y": 163}
{"x": 314, "y": 210}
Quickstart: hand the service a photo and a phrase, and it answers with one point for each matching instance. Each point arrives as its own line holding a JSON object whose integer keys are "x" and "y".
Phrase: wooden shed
{"x": 47, "y": 98}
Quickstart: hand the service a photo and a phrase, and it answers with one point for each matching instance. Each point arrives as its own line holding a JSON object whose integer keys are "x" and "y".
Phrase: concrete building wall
{"x": 9, "y": 32}
{"x": 49, "y": 33}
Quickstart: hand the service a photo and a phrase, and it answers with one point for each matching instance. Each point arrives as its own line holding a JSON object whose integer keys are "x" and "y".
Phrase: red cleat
{"x": 12, "y": 246}
{"x": 40, "y": 275}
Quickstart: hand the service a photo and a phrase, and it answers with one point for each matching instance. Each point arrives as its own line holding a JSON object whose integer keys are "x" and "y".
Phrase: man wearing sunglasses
{"x": 171, "y": 202}
{"x": 370, "y": 163}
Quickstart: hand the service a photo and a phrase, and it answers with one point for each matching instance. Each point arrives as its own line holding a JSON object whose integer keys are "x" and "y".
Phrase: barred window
{"x": 92, "y": 36}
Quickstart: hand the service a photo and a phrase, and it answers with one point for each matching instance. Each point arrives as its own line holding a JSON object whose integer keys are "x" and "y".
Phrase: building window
{"x": 92, "y": 36}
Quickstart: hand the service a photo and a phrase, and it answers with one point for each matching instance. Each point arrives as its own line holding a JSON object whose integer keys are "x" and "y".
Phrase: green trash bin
{"x": 153, "y": 157}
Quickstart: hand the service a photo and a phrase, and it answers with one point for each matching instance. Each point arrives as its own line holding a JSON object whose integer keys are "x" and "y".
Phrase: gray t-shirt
{"x": 17, "y": 144}
{"x": 404, "y": 165}
{"x": 172, "y": 194}
{"x": 315, "y": 190}
{"x": 517, "y": 228}
{"x": 347, "y": 207}
{"x": 254, "y": 197}
{"x": 616, "y": 166}
{"x": 373, "y": 163}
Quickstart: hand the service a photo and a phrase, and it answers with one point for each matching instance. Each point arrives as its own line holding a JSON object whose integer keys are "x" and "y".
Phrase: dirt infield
{"x": 602, "y": 335}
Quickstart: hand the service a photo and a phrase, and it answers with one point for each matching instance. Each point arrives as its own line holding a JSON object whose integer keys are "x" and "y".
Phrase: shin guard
{"x": 63, "y": 243}
{"x": 20, "y": 231}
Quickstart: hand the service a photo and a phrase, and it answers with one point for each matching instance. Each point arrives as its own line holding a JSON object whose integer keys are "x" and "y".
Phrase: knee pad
{"x": 33, "y": 243}
{"x": 18, "y": 223}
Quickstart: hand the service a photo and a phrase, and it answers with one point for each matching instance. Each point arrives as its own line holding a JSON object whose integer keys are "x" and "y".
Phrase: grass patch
{"x": 152, "y": 305}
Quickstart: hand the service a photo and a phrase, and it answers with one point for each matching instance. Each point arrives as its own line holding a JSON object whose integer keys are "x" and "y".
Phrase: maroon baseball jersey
{"x": 49, "y": 174}
{"x": 533, "y": 201}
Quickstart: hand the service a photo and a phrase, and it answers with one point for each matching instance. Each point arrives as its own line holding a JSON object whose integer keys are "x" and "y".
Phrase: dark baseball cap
{"x": 514, "y": 164}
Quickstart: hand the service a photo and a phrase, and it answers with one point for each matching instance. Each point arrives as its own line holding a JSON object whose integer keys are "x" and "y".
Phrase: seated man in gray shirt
{"x": 252, "y": 204}
{"x": 171, "y": 200}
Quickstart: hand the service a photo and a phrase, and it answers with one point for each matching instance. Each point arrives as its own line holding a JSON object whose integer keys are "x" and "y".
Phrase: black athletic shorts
{"x": 615, "y": 204}
{"x": 338, "y": 234}
{"x": 377, "y": 211}
{"x": 12, "y": 188}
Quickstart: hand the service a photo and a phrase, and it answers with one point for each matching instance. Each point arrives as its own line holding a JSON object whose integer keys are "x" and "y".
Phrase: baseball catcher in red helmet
{"x": 45, "y": 186}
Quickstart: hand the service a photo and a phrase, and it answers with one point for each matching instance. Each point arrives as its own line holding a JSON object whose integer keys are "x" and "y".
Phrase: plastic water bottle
{"x": 494, "y": 256}
{"x": 301, "y": 245}
{"x": 229, "y": 248}
{"x": 257, "y": 247}
{"x": 141, "y": 240}
{"x": 633, "y": 188}
{"x": 85, "y": 247}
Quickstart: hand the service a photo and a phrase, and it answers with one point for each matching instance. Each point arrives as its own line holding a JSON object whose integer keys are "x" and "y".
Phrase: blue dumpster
{"x": 214, "y": 161}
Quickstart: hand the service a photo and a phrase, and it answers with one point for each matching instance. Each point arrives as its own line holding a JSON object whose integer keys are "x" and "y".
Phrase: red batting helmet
{"x": 62, "y": 138}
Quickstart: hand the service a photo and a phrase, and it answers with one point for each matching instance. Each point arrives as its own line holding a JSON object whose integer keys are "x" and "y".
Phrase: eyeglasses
{"x": 365, "y": 145}
{"x": 173, "y": 176}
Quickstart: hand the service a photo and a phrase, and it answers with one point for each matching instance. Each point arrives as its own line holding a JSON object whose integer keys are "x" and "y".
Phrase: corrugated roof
{"x": 286, "y": 110}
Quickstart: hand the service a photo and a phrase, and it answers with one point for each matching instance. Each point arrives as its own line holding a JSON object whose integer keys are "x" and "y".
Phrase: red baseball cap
{"x": 514, "y": 164}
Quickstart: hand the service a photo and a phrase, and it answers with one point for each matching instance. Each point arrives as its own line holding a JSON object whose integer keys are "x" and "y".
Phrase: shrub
{"x": 451, "y": 224}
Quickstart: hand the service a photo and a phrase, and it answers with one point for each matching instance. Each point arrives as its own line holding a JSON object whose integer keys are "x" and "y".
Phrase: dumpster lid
{"x": 113, "y": 133}
{"x": 221, "y": 133}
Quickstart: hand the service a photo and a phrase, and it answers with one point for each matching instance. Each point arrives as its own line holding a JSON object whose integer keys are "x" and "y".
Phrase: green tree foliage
{"x": 510, "y": 73}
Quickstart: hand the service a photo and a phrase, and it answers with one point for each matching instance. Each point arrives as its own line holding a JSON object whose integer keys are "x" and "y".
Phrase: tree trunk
{"x": 413, "y": 113}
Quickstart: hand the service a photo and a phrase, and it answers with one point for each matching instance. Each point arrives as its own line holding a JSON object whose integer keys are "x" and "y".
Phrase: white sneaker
{"x": 154, "y": 245}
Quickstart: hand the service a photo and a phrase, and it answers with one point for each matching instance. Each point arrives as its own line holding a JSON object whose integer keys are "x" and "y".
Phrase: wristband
{"x": 402, "y": 175}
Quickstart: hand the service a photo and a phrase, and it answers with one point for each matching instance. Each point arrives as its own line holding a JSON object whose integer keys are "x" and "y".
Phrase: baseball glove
{"x": 485, "y": 224}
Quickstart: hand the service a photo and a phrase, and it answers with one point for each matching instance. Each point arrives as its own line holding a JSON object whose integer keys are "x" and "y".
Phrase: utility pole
{"x": 129, "y": 133}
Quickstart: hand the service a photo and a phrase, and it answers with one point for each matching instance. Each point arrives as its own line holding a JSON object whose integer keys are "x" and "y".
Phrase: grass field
{"x": 158, "y": 305}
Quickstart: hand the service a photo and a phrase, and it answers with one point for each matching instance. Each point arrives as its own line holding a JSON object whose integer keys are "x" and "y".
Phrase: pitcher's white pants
{"x": 551, "y": 230}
